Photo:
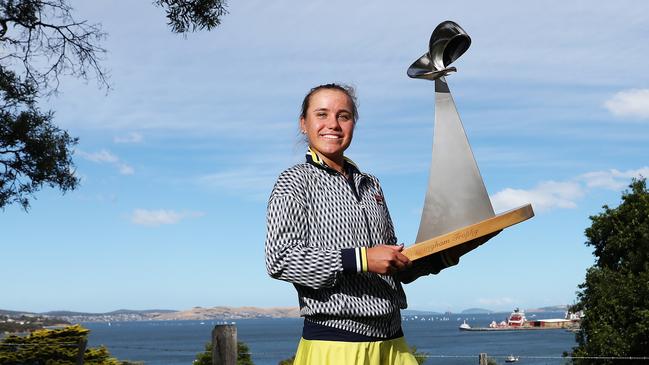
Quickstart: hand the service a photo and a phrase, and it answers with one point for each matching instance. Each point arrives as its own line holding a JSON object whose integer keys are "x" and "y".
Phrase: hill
{"x": 413, "y": 312}
{"x": 196, "y": 313}
{"x": 221, "y": 313}
{"x": 477, "y": 311}
{"x": 554, "y": 308}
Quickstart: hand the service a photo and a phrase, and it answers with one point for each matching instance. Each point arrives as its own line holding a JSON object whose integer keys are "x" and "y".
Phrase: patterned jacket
{"x": 319, "y": 226}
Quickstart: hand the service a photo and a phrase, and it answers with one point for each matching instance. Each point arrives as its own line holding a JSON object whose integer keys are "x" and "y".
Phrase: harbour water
{"x": 271, "y": 340}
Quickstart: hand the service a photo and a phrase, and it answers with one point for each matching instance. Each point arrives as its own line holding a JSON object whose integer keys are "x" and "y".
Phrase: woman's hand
{"x": 457, "y": 251}
{"x": 387, "y": 260}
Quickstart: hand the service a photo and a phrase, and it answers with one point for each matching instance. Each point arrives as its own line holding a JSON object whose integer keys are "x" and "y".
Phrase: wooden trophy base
{"x": 468, "y": 233}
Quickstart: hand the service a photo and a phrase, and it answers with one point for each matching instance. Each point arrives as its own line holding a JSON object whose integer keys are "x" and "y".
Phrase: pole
{"x": 224, "y": 344}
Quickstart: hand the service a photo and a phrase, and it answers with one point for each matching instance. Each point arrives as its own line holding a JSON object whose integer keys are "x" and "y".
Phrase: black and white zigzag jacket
{"x": 319, "y": 225}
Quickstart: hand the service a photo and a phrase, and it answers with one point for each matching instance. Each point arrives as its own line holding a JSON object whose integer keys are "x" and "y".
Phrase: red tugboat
{"x": 516, "y": 318}
{"x": 517, "y": 321}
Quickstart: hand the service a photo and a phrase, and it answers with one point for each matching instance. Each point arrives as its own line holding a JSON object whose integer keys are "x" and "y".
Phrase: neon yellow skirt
{"x": 390, "y": 352}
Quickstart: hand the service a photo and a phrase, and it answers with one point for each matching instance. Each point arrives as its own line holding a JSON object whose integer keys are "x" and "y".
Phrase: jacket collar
{"x": 313, "y": 158}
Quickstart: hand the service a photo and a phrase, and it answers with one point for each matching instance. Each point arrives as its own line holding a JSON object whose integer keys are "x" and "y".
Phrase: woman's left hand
{"x": 386, "y": 259}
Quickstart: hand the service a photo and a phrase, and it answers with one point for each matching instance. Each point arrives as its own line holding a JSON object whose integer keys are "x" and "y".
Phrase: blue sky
{"x": 178, "y": 158}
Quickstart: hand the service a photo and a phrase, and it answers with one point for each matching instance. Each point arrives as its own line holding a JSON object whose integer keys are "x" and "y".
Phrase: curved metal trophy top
{"x": 447, "y": 43}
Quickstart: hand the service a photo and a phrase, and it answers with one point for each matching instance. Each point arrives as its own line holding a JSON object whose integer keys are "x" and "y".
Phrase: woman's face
{"x": 329, "y": 123}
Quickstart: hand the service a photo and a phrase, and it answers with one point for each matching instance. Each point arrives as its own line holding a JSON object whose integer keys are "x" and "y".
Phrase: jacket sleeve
{"x": 428, "y": 265}
{"x": 288, "y": 255}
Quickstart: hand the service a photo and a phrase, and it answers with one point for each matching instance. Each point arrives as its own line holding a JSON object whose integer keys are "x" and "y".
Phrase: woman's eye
{"x": 344, "y": 117}
{"x": 321, "y": 115}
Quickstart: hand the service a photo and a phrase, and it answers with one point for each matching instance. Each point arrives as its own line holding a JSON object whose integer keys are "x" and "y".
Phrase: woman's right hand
{"x": 386, "y": 259}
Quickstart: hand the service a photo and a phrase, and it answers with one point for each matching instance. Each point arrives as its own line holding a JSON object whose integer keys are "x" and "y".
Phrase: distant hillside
{"x": 412, "y": 312}
{"x": 68, "y": 313}
{"x": 477, "y": 311}
{"x": 554, "y": 308}
{"x": 20, "y": 322}
{"x": 5, "y": 312}
{"x": 220, "y": 313}
{"x": 196, "y": 313}
{"x": 113, "y": 313}
{"x": 129, "y": 311}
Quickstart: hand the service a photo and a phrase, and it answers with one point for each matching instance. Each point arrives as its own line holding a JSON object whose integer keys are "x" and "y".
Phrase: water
{"x": 271, "y": 340}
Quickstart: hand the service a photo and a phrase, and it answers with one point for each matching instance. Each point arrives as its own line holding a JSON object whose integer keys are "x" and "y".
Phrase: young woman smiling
{"x": 330, "y": 234}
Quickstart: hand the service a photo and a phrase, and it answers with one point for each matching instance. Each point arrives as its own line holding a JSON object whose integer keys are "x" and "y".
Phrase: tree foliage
{"x": 288, "y": 361}
{"x": 421, "y": 357}
{"x": 184, "y": 15}
{"x": 33, "y": 151}
{"x": 40, "y": 42}
{"x": 243, "y": 355}
{"x": 52, "y": 347}
{"x": 615, "y": 294}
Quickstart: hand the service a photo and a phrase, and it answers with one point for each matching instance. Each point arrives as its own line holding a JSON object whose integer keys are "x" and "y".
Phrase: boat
{"x": 465, "y": 326}
{"x": 511, "y": 358}
{"x": 517, "y": 321}
{"x": 516, "y": 318}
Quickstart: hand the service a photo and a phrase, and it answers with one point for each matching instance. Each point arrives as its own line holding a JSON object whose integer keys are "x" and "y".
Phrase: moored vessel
{"x": 517, "y": 321}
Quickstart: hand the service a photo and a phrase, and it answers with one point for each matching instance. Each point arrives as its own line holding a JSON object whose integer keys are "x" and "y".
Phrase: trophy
{"x": 457, "y": 208}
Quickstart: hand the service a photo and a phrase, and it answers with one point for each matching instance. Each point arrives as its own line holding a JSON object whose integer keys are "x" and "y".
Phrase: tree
{"x": 421, "y": 357}
{"x": 41, "y": 42}
{"x": 288, "y": 361}
{"x": 615, "y": 294}
{"x": 243, "y": 355}
{"x": 59, "y": 346}
{"x": 33, "y": 151}
{"x": 184, "y": 15}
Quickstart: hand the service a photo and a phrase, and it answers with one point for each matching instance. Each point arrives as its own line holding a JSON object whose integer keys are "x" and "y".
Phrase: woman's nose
{"x": 332, "y": 122}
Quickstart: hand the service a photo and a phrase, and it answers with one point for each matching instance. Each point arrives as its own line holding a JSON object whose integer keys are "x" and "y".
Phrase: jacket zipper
{"x": 358, "y": 200}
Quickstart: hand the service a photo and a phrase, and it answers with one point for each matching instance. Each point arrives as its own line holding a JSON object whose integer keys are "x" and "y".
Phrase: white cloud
{"x": 546, "y": 195}
{"x": 125, "y": 169}
{"x": 612, "y": 179}
{"x": 564, "y": 194}
{"x": 105, "y": 156}
{"x": 159, "y": 217}
{"x": 132, "y": 137}
{"x": 101, "y": 156}
{"x": 632, "y": 103}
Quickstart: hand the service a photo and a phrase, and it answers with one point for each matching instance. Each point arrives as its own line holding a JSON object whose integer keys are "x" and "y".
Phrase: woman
{"x": 330, "y": 234}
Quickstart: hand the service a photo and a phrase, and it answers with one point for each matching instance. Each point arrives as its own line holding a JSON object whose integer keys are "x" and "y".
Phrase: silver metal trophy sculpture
{"x": 457, "y": 208}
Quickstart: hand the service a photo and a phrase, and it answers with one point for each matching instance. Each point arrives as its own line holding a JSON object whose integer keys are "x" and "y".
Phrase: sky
{"x": 178, "y": 158}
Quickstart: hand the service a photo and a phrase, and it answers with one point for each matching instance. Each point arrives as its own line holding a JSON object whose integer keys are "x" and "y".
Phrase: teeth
{"x": 330, "y": 136}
